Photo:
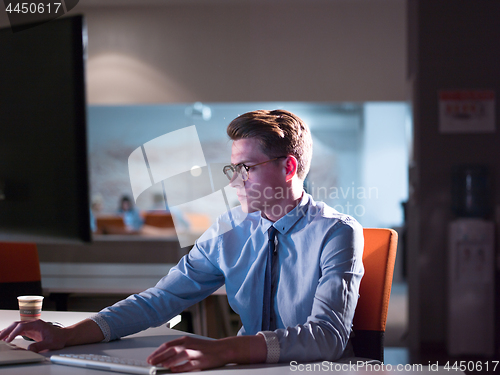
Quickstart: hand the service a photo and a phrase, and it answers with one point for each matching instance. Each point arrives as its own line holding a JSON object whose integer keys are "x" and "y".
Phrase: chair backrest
{"x": 110, "y": 224}
{"x": 198, "y": 222}
{"x": 159, "y": 219}
{"x": 19, "y": 272}
{"x": 370, "y": 317}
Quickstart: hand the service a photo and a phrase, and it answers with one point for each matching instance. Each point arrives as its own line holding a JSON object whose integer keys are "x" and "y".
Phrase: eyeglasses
{"x": 231, "y": 170}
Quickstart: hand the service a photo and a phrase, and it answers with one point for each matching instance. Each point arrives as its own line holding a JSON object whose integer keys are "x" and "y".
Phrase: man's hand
{"x": 190, "y": 353}
{"x": 50, "y": 337}
{"x": 46, "y": 335}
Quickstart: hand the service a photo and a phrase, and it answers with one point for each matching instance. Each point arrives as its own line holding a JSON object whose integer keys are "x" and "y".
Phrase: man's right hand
{"x": 46, "y": 335}
{"x": 50, "y": 337}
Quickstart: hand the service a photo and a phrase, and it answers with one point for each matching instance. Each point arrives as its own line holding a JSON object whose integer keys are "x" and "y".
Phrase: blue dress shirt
{"x": 319, "y": 271}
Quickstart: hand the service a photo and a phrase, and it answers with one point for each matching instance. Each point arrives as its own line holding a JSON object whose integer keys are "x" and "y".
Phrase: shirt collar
{"x": 284, "y": 224}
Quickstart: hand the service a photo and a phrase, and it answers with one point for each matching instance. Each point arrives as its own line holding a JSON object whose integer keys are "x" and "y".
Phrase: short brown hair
{"x": 278, "y": 132}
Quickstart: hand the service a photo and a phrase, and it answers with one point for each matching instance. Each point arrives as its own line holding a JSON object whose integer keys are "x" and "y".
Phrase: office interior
{"x": 345, "y": 61}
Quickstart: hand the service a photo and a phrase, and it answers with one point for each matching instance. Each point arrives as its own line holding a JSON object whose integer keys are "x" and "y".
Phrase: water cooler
{"x": 471, "y": 266}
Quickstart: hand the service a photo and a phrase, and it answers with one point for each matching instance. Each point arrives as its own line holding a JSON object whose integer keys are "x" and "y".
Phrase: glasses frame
{"x": 236, "y": 168}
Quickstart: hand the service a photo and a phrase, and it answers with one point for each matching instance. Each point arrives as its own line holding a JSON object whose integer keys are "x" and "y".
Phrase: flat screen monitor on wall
{"x": 43, "y": 148}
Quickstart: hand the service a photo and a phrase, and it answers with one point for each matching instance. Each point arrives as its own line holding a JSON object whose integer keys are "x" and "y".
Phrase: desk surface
{"x": 137, "y": 346}
{"x": 140, "y": 345}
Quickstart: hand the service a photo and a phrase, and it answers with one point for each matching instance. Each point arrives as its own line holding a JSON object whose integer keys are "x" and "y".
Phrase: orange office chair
{"x": 374, "y": 293}
{"x": 159, "y": 219}
{"x": 110, "y": 224}
{"x": 19, "y": 273}
{"x": 198, "y": 222}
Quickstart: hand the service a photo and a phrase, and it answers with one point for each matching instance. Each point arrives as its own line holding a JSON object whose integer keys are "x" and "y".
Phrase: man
{"x": 291, "y": 266}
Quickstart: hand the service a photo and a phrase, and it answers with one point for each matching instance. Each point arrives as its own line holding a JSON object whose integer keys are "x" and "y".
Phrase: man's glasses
{"x": 231, "y": 170}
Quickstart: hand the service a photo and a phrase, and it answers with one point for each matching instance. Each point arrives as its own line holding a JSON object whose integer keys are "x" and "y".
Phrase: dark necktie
{"x": 268, "y": 318}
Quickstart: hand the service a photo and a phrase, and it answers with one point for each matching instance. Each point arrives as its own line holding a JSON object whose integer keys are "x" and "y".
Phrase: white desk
{"x": 139, "y": 346}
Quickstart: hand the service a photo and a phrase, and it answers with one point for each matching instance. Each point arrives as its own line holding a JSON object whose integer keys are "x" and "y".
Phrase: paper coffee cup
{"x": 30, "y": 307}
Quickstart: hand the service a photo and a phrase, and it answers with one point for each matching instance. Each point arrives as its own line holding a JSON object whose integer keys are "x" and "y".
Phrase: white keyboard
{"x": 106, "y": 363}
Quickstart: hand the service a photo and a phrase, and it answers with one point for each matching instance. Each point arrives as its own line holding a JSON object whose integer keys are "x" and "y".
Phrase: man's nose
{"x": 236, "y": 181}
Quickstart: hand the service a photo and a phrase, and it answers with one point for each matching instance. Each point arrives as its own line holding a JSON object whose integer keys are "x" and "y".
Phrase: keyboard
{"x": 106, "y": 363}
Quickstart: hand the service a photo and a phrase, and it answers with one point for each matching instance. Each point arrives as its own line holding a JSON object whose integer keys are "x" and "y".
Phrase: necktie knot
{"x": 272, "y": 233}
{"x": 272, "y": 236}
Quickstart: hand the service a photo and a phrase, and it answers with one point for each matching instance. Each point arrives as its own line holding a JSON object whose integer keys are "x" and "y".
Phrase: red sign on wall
{"x": 467, "y": 111}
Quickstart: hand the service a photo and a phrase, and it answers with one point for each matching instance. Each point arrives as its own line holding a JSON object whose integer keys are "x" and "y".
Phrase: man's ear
{"x": 291, "y": 167}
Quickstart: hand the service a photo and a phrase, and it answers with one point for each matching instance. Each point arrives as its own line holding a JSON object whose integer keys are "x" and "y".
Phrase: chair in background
{"x": 198, "y": 223}
{"x": 19, "y": 273}
{"x": 159, "y": 219}
{"x": 110, "y": 224}
{"x": 374, "y": 293}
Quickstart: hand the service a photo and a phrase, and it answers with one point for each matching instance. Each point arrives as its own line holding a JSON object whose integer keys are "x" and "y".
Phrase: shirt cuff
{"x": 273, "y": 346}
{"x": 103, "y": 325}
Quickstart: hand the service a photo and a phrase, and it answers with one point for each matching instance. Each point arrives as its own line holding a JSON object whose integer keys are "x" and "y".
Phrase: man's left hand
{"x": 191, "y": 353}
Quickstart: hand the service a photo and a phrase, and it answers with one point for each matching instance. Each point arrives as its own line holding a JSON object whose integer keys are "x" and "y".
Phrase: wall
{"x": 115, "y": 131}
{"x": 454, "y": 45}
{"x": 215, "y": 51}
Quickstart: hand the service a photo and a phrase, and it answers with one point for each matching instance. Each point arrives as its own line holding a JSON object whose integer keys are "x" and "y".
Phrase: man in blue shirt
{"x": 291, "y": 266}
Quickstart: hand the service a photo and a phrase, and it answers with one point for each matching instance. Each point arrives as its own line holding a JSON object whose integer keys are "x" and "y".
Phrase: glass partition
{"x": 160, "y": 162}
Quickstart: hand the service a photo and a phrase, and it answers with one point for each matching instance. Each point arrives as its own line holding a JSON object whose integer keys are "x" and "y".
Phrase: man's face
{"x": 266, "y": 182}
